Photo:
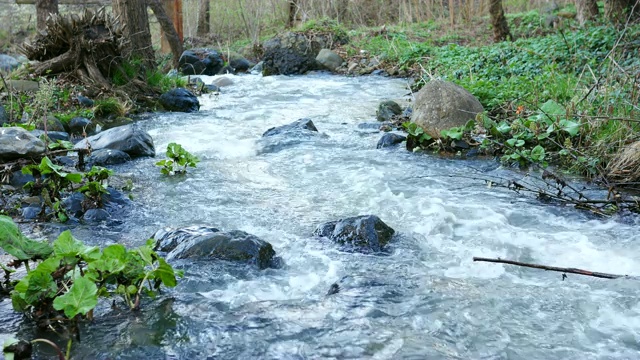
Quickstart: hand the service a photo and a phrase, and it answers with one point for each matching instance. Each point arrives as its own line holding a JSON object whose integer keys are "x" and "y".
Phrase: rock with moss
{"x": 289, "y": 54}
{"x": 387, "y": 110}
{"x": 365, "y": 233}
{"x": 16, "y": 143}
{"x": 130, "y": 139}
{"x": 180, "y": 100}
{"x": 329, "y": 59}
{"x": 201, "y": 242}
{"x": 53, "y": 124}
{"x": 442, "y": 105}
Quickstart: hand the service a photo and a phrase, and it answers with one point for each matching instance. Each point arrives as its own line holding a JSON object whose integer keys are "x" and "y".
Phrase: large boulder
{"x": 8, "y": 63}
{"x": 280, "y": 137}
{"x": 16, "y": 142}
{"x": 441, "y": 105}
{"x": 198, "y": 242}
{"x": 365, "y": 233}
{"x": 329, "y": 59}
{"x": 181, "y": 100}
{"x": 129, "y": 138}
{"x": 290, "y": 53}
{"x": 200, "y": 62}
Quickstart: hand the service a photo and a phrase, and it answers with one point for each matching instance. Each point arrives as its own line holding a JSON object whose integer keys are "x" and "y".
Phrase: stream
{"x": 424, "y": 299}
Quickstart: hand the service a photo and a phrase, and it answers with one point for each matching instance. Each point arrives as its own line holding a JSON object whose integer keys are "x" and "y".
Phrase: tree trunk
{"x": 45, "y": 8}
{"x": 204, "y": 25}
{"x": 293, "y": 8}
{"x": 134, "y": 20}
{"x": 587, "y": 10}
{"x": 617, "y": 11}
{"x": 499, "y": 21}
{"x": 168, "y": 29}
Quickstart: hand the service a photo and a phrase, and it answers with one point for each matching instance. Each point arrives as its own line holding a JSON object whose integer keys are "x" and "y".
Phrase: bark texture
{"x": 204, "y": 23}
{"x": 587, "y": 10}
{"x": 169, "y": 30}
{"x": 499, "y": 21}
{"x": 44, "y": 9}
{"x": 133, "y": 17}
{"x": 293, "y": 8}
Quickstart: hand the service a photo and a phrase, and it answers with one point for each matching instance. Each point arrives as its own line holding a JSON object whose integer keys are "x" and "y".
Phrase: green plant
{"x": 49, "y": 181}
{"x": 66, "y": 286}
{"x": 178, "y": 160}
{"x": 110, "y": 106}
{"x": 417, "y": 139}
{"x": 96, "y": 185}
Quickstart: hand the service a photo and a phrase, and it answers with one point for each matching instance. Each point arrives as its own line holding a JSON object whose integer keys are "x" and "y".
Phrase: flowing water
{"x": 425, "y": 299}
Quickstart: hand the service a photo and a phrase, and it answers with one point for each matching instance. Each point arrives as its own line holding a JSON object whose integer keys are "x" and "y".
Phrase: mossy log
{"x": 88, "y": 45}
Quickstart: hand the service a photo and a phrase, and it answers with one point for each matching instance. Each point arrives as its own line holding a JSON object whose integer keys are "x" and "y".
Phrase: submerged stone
{"x": 365, "y": 233}
{"x": 198, "y": 242}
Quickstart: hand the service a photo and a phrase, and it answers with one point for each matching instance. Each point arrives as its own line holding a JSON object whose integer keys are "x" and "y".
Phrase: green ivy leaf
{"x": 41, "y": 286}
{"x": 165, "y": 273}
{"x": 68, "y": 246}
{"x": 571, "y": 127}
{"x": 81, "y": 298}
{"x": 537, "y": 153}
{"x": 16, "y": 244}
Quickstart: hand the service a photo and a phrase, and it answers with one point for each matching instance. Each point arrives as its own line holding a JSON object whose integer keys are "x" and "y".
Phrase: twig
{"x": 554, "y": 268}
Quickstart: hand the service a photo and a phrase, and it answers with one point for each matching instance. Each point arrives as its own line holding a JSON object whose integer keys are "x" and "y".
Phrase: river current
{"x": 424, "y": 299}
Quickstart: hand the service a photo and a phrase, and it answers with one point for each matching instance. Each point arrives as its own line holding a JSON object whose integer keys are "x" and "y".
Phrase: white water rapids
{"x": 426, "y": 299}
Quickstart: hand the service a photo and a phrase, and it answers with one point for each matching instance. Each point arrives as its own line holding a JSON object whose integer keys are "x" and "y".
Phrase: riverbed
{"x": 423, "y": 299}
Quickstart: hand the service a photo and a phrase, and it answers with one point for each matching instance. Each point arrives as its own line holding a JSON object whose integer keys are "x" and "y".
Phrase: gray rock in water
{"x": 16, "y": 142}
{"x": 8, "y": 63}
{"x": 199, "y": 242}
{"x": 96, "y": 215}
{"x": 329, "y": 59}
{"x": 73, "y": 204}
{"x": 442, "y": 105}
{"x": 390, "y": 139}
{"x": 299, "y": 126}
{"x": 387, "y": 109}
{"x": 239, "y": 63}
{"x": 181, "y": 100}
{"x": 278, "y": 138}
{"x": 129, "y": 138}
{"x": 52, "y": 135}
{"x": 104, "y": 157}
{"x": 366, "y": 233}
{"x": 200, "y": 62}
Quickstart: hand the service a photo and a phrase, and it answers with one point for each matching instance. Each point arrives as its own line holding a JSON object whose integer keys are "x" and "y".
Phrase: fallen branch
{"x": 554, "y": 268}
